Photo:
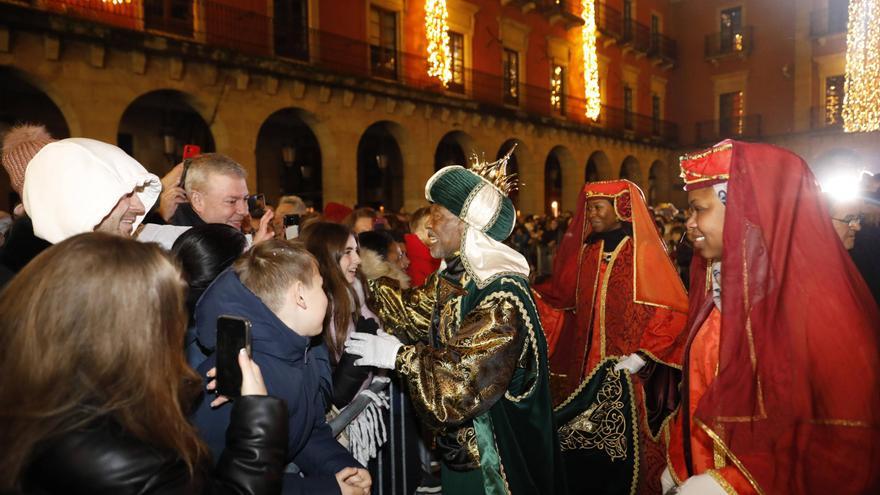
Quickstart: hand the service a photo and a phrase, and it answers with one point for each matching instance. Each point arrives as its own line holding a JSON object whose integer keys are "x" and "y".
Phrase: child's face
{"x": 305, "y": 306}
{"x": 350, "y": 260}
{"x": 312, "y": 316}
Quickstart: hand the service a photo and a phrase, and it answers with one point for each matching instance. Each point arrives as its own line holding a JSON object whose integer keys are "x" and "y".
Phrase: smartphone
{"x": 257, "y": 205}
{"x": 291, "y": 226}
{"x": 233, "y": 334}
{"x": 189, "y": 151}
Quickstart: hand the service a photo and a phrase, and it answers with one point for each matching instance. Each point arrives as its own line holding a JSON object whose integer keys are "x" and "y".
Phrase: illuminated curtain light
{"x": 593, "y": 102}
{"x": 437, "y": 32}
{"x": 116, "y": 2}
{"x": 861, "y": 99}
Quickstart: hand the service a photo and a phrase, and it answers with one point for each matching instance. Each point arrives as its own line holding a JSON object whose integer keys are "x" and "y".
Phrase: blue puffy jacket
{"x": 293, "y": 369}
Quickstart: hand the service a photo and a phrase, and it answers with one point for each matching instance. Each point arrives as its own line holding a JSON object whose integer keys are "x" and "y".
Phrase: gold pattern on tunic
{"x": 405, "y": 313}
{"x": 471, "y": 366}
{"x": 603, "y": 425}
{"x": 467, "y": 438}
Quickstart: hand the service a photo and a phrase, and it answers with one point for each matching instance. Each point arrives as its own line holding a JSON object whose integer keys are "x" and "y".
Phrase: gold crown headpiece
{"x": 496, "y": 172}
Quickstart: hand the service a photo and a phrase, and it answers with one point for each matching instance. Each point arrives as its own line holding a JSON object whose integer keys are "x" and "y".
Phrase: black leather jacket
{"x": 104, "y": 459}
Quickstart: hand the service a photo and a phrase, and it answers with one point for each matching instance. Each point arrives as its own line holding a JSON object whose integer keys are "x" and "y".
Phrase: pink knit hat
{"x": 20, "y": 144}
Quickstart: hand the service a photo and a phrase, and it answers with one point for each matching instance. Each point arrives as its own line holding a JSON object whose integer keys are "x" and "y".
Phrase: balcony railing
{"x": 245, "y": 31}
{"x": 828, "y": 22}
{"x": 746, "y": 127}
{"x": 734, "y": 42}
{"x": 609, "y": 21}
{"x": 662, "y": 48}
{"x": 634, "y": 35}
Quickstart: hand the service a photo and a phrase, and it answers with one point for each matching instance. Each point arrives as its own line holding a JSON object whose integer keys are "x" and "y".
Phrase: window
{"x": 834, "y": 87}
{"x": 731, "y": 30}
{"x": 627, "y": 108}
{"x": 655, "y": 33}
{"x": 557, "y": 89}
{"x": 292, "y": 28}
{"x": 655, "y": 114}
{"x": 173, "y": 16}
{"x": 627, "y": 19}
{"x": 730, "y": 110}
{"x": 383, "y": 43}
{"x": 456, "y": 51}
{"x": 511, "y": 77}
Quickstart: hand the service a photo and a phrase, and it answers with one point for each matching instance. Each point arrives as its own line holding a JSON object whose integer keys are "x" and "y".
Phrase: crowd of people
{"x": 460, "y": 347}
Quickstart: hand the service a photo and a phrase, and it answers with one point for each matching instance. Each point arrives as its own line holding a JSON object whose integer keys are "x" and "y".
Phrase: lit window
{"x": 383, "y": 43}
{"x": 456, "y": 51}
{"x": 834, "y": 100}
{"x": 511, "y": 77}
{"x": 557, "y": 89}
{"x": 730, "y": 107}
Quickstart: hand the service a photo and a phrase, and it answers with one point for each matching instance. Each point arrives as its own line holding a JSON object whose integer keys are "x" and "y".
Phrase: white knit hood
{"x": 71, "y": 185}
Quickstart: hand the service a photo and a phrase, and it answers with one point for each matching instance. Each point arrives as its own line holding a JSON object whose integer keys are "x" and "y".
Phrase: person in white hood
{"x": 79, "y": 185}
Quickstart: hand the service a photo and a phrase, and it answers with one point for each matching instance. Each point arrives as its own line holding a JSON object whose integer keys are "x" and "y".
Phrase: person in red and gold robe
{"x": 614, "y": 312}
{"x": 780, "y": 390}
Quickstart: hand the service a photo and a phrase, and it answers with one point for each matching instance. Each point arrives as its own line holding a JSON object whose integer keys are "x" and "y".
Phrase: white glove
{"x": 666, "y": 481}
{"x": 632, "y": 364}
{"x": 701, "y": 484}
{"x": 375, "y": 350}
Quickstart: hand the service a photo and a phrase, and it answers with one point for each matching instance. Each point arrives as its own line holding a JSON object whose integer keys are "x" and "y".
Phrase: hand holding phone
{"x": 189, "y": 151}
{"x": 233, "y": 334}
{"x": 291, "y": 226}
{"x": 257, "y": 205}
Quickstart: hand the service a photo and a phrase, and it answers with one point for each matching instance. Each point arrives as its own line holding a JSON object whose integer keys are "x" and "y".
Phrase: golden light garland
{"x": 116, "y": 2}
{"x": 861, "y": 99}
{"x": 592, "y": 98}
{"x": 437, "y": 33}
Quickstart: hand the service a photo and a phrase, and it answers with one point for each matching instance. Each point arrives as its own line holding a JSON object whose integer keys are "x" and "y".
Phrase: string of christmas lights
{"x": 437, "y": 33}
{"x": 861, "y": 99}
{"x": 593, "y": 100}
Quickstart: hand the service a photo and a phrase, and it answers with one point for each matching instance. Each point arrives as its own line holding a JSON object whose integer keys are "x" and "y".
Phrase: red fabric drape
{"x": 796, "y": 401}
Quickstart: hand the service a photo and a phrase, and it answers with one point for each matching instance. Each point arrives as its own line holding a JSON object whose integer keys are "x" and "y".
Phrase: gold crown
{"x": 496, "y": 172}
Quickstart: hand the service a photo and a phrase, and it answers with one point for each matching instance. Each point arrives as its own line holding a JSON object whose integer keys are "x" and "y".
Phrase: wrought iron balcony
{"x": 568, "y": 12}
{"x": 735, "y": 42}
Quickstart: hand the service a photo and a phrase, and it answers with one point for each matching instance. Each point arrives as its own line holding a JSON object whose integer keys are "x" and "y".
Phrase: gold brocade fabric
{"x": 470, "y": 368}
{"x": 405, "y": 313}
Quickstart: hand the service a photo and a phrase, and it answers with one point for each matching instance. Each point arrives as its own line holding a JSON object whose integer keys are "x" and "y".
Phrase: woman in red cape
{"x": 780, "y": 392}
{"x": 614, "y": 302}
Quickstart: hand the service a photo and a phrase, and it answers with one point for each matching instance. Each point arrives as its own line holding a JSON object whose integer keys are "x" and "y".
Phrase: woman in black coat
{"x": 96, "y": 388}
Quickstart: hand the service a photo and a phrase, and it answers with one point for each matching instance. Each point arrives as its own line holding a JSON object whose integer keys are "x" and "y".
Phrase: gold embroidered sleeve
{"x": 405, "y": 313}
{"x": 471, "y": 371}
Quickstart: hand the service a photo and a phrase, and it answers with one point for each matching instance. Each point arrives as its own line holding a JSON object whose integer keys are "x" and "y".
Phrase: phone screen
{"x": 257, "y": 205}
{"x": 233, "y": 334}
{"x": 189, "y": 151}
{"x": 291, "y": 226}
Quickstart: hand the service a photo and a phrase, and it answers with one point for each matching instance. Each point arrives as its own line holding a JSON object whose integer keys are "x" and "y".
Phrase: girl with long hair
{"x": 96, "y": 387}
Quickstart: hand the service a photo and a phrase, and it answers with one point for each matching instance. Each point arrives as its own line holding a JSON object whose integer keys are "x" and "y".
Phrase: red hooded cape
{"x": 795, "y": 404}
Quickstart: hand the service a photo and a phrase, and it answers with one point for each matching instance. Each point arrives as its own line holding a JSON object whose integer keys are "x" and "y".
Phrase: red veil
{"x": 796, "y": 400}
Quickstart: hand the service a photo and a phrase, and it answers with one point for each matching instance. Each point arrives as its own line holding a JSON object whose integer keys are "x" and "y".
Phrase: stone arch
{"x": 454, "y": 148}
{"x": 658, "y": 183}
{"x": 289, "y": 157}
{"x": 598, "y": 167}
{"x": 630, "y": 170}
{"x": 156, "y": 125}
{"x": 380, "y": 165}
{"x": 558, "y": 161}
{"x": 23, "y": 101}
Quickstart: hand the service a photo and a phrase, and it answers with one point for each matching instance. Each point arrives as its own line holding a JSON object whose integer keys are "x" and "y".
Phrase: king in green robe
{"x": 469, "y": 344}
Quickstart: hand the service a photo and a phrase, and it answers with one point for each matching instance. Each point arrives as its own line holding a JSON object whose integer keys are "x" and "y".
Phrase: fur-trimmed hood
{"x": 374, "y": 266}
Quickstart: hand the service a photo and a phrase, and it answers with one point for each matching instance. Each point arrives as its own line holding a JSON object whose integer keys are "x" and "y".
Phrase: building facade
{"x": 331, "y": 99}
